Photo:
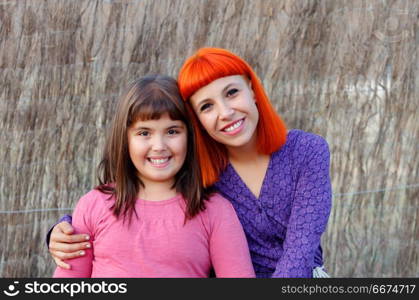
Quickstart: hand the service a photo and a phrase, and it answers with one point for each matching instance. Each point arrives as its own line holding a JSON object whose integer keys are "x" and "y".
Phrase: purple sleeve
{"x": 66, "y": 218}
{"x": 310, "y": 209}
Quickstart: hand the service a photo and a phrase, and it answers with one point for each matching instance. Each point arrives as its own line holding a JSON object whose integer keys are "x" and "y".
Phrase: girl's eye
{"x": 231, "y": 92}
{"x": 143, "y": 133}
{"x": 205, "y": 107}
{"x": 172, "y": 131}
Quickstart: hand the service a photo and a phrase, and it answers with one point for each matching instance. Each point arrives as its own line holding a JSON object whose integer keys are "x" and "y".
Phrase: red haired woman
{"x": 277, "y": 180}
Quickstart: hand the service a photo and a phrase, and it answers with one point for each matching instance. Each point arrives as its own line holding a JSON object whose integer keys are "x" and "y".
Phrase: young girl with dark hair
{"x": 150, "y": 216}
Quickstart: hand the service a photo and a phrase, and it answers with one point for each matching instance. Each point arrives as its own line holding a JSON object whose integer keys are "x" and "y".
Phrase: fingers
{"x": 68, "y": 248}
{"x": 65, "y": 227}
{"x": 62, "y": 233}
{"x": 61, "y": 256}
{"x": 58, "y": 237}
{"x": 61, "y": 264}
{"x": 65, "y": 245}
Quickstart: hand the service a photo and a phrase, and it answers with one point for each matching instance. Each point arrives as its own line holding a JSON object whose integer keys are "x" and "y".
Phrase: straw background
{"x": 346, "y": 70}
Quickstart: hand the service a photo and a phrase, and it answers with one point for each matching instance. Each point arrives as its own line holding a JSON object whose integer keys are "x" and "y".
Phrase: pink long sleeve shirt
{"x": 158, "y": 243}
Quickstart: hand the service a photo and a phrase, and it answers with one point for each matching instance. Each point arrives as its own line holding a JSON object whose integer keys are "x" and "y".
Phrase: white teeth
{"x": 234, "y": 126}
{"x": 159, "y": 161}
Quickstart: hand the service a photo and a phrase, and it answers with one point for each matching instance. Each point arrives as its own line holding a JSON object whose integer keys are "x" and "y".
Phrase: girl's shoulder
{"x": 216, "y": 204}
{"x": 95, "y": 199}
{"x": 218, "y": 210}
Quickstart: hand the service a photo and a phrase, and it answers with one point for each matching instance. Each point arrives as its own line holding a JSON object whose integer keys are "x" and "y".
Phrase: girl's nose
{"x": 158, "y": 143}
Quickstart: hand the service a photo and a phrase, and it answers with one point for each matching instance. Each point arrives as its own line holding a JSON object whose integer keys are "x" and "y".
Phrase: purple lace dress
{"x": 284, "y": 225}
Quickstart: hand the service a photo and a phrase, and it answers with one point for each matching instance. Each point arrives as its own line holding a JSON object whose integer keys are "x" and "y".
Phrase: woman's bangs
{"x": 203, "y": 71}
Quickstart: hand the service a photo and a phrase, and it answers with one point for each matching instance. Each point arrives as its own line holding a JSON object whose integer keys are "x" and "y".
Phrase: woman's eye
{"x": 205, "y": 107}
{"x": 231, "y": 92}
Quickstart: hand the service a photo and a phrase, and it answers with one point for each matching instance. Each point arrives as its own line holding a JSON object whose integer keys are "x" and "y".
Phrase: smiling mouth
{"x": 233, "y": 126}
{"x": 159, "y": 162}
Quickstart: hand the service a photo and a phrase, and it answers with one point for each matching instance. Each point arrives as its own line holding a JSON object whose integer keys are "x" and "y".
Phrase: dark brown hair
{"x": 148, "y": 98}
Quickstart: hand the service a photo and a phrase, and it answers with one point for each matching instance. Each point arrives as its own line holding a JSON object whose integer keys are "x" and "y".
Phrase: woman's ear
{"x": 249, "y": 85}
{"x": 251, "y": 90}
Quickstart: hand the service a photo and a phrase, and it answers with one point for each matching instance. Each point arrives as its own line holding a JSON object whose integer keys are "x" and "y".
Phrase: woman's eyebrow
{"x": 223, "y": 91}
{"x": 228, "y": 86}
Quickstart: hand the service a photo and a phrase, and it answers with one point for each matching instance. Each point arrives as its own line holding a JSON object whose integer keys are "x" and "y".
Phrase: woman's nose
{"x": 225, "y": 111}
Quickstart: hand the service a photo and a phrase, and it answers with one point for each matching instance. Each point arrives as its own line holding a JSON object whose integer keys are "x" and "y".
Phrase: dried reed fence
{"x": 345, "y": 70}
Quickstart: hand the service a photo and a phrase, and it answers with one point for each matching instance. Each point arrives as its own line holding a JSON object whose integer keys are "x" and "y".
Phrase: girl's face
{"x": 157, "y": 148}
{"x": 226, "y": 108}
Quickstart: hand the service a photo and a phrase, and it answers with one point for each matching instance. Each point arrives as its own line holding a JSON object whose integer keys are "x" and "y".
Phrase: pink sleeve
{"x": 228, "y": 245}
{"x": 81, "y": 267}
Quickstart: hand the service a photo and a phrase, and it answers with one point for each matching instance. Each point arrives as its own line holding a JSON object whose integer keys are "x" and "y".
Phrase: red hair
{"x": 199, "y": 70}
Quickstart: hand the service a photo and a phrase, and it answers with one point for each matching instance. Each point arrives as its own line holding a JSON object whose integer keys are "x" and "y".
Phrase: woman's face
{"x": 227, "y": 110}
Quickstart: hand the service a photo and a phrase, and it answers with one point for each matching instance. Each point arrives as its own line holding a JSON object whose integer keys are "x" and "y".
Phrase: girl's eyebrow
{"x": 141, "y": 128}
{"x": 148, "y": 128}
{"x": 176, "y": 126}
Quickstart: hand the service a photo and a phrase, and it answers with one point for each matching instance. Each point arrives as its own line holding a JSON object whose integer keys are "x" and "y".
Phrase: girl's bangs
{"x": 152, "y": 109}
